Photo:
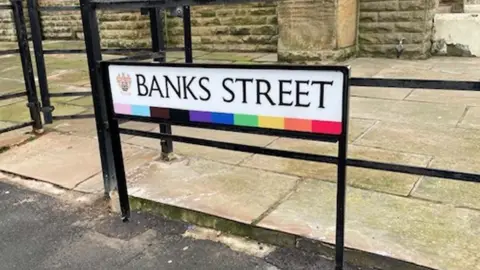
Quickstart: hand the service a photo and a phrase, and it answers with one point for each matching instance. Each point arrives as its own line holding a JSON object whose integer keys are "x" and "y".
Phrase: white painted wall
{"x": 459, "y": 28}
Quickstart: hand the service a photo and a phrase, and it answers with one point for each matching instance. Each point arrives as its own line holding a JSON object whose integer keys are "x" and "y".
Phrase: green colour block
{"x": 246, "y": 120}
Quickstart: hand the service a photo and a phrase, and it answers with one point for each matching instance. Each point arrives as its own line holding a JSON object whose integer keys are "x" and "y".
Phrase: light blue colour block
{"x": 140, "y": 110}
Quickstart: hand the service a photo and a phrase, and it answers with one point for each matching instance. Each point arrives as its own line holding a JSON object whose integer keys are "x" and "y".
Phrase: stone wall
{"x": 7, "y": 26}
{"x": 117, "y": 28}
{"x": 383, "y": 22}
{"x": 255, "y": 27}
{"x": 60, "y": 24}
{"x": 7, "y": 32}
{"x": 318, "y": 31}
{"x": 246, "y": 27}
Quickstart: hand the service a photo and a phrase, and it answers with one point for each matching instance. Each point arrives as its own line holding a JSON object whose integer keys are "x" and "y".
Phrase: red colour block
{"x": 327, "y": 127}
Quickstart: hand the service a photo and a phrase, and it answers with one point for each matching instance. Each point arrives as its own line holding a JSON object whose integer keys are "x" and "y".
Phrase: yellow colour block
{"x": 271, "y": 122}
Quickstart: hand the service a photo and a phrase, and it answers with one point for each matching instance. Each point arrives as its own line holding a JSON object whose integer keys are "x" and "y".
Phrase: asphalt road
{"x": 43, "y": 232}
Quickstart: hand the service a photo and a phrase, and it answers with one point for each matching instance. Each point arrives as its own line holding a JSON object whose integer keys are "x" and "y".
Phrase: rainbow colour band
{"x": 292, "y": 124}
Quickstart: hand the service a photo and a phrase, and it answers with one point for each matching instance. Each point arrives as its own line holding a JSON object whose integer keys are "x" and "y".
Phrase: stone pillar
{"x": 384, "y": 23}
{"x": 316, "y": 30}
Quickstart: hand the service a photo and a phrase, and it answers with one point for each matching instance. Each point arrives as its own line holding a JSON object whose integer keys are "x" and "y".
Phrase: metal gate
{"x": 23, "y": 50}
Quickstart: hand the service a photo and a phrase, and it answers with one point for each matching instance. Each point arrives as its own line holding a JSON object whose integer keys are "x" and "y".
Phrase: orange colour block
{"x": 298, "y": 124}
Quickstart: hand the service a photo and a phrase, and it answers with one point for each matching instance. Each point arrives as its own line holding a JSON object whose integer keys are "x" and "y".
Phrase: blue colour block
{"x": 140, "y": 110}
{"x": 222, "y": 118}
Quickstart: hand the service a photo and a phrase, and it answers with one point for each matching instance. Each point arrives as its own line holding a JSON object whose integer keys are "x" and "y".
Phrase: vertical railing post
{"x": 158, "y": 45}
{"x": 342, "y": 179}
{"x": 94, "y": 55}
{"x": 36, "y": 32}
{"x": 118, "y": 162}
{"x": 187, "y": 34}
{"x": 28, "y": 74}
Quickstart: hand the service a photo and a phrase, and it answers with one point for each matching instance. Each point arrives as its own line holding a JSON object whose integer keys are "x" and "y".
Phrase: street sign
{"x": 306, "y": 99}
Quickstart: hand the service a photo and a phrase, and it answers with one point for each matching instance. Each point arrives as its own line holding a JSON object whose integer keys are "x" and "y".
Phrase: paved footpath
{"x": 40, "y": 231}
{"x": 429, "y": 221}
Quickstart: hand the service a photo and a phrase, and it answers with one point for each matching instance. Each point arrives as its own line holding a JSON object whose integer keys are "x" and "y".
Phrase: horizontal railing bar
{"x": 7, "y": 7}
{"x": 440, "y": 173}
{"x": 232, "y": 146}
{"x": 12, "y": 51}
{"x": 112, "y": 51}
{"x": 411, "y": 83}
{"x": 75, "y": 51}
{"x": 70, "y": 94}
{"x": 72, "y": 117}
{"x": 140, "y": 57}
{"x": 15, "y": 127}
{"x": 242, "y": 129}
{"x": 391, "y": 167}
{"x": 12, "y": 95}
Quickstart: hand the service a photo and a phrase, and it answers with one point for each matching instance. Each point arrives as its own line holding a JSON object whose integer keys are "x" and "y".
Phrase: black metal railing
{"x": 23, "y": 50}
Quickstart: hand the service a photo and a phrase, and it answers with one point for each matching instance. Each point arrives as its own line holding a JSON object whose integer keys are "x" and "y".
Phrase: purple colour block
{"x": 200, "y": 116}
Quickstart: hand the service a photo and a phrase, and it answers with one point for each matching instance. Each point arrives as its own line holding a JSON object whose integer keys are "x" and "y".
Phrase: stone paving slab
{"x": 388, "y": 182}
{"x": 380, "y": 92}
{"x": 367, "y": 67}
{"x": 83, "y": 101}
{"x": 18, "y": 112}
{"x": 11, "y": 86}
{"x": 79, "y": 127}
{"x": 471, "y": 119}
{"x": 469, "y": 98}
{"x": 138, "y": 157}
{"x": 433, "y": 235}
{"x": 220, "y": 155}
{"x": 13, "y": 72}
{"x": 406, "y": 111}
{"x": 13, "y": 138}
{"x": 438, "y": 141}
{"x": 63, "y": 160}
{"x": 448, "y": 191}
{"x": 10, "y": 101}
{"x": 423, "y": 71}
{"x": 71, "y": 77}
{"x": 86, "y": 127}
{"x": 59, "y": 88}
{"x": 222, "y": 190}
{"x": 59, "y": 159}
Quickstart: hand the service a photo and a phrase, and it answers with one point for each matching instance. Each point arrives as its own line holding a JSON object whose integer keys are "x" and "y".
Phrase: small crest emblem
{"x": 124, "y": 81}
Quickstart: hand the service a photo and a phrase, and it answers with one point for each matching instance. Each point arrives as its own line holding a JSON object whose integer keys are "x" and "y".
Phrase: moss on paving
{"x": 64, "y": 45}
{"x": 11, "y": 86}
{"x": 214, "y": 222}
{"x": 7, "y": 45}
{"x": 83, "y": 101}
